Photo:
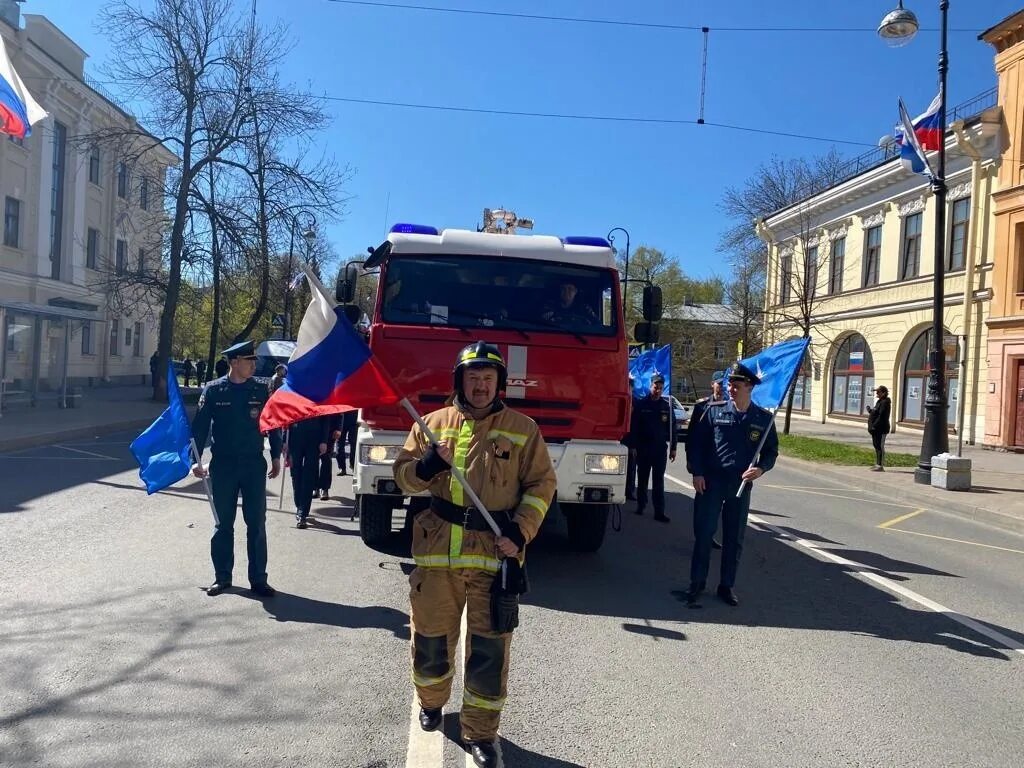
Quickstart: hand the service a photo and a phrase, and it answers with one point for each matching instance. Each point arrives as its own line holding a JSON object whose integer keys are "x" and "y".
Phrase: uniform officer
{"x": 232, "y": 405}
{"x": 699, "y": 409}
{"x": 504, "y": 458}
{"x": 652, "y": 430}
{"x": 724, "y": 444}
{"x": 308, "y": 441}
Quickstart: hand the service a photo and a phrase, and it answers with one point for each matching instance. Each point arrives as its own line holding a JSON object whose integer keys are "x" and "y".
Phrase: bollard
{"x": 951, "y": 473}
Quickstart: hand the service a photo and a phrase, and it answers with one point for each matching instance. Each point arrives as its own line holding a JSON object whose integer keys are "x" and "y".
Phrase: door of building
{"x": 1018, "y": 437}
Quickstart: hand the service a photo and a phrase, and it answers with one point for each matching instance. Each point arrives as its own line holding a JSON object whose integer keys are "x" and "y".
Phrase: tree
{"x": 650, "y": 265}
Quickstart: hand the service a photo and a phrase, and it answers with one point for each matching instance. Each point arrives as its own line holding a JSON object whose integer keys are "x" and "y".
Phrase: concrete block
{"x": 951, "y": 473}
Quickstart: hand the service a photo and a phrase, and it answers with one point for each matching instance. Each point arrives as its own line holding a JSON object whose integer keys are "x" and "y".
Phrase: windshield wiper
{"x": 436, "y": 316}
{"x": 551, "y": 324}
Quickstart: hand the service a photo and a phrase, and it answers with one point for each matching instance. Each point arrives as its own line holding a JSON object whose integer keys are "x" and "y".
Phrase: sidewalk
{"x": 99, "y": 411}
{"x": 996, "y": 496}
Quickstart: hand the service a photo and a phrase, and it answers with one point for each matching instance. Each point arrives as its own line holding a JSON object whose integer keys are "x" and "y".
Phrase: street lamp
{"x": 625, "y": 284}
{"x": 310, "y": 237}
{"x": 898, "y": 28}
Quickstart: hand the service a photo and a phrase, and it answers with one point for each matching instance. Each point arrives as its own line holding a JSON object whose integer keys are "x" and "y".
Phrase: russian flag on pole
{"x": 331, "y": 370}
{"x": 919, "y": 135}
{"x": 18, "y": 110}
{"x": 776, "y": 366}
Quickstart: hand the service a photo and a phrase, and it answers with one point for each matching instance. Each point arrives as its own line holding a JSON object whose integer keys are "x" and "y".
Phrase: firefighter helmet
{"x": 480, "y": 355}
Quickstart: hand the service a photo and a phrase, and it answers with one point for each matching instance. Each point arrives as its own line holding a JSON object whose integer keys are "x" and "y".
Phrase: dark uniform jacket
{"x": 724, "y": 441}
{"x": 316, "y": 430}
{"x": 234, "y": 410}
{"x": 653, "y": 423}
{"x": 878, "y": 417}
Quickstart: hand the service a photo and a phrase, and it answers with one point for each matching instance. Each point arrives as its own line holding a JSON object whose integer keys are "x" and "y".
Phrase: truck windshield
{"x": 520, "y": 294}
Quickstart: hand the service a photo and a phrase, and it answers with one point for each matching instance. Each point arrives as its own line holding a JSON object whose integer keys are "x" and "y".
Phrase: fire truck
{"x": 552, "y": 306}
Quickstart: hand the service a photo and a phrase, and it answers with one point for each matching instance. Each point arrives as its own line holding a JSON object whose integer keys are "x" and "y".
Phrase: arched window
{"x": 915, "y": 377}
{"x": 802, "y": 386}
{"x": 853, "y": 378}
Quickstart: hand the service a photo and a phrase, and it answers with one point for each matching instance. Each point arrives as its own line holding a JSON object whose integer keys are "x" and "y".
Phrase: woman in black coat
{"x": 878, "y": 425}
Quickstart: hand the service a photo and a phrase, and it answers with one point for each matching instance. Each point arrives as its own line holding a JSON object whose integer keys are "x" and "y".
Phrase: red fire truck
{"x": 553, "y": 307}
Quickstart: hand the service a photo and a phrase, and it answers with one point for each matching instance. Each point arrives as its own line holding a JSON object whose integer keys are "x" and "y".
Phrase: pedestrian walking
{"x": 505, "y": 461}
{"x": 220, "y": 368}
{"x": 200, "y": 372}
{"x": 349, "y": 429}
{"x": 879, "y": 426}
{"x": 324, "y": 471}
{"x": 153, "y": 363}
{"x": 652, "y": 440}
{"x": 230, "y": 408}
{"x": 280, "y": 372}
{"x": 724, "y": 445}
{"x": 700, "y": 408}
{"x": 307, "y": 443}
{"x": 188, "y": 369}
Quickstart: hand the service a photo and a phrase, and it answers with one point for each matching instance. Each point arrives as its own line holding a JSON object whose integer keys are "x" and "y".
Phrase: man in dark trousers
{"x": 152, "y": 369}
{"x": 231, "y": 408}
{"x": 188, "y": 368}
{"x": 200, "y": 372}
{"x": 879, "y": 426}
{"x": 349, "y": 428}
{"x": 724, "y": 444}
{"x": 652, "y": 438}
{"x": 307, "y": 443}
{"x": 699, "y": 409}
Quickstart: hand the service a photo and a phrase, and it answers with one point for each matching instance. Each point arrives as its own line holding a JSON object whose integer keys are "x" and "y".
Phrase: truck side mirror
{"x": 345, "y": 290}
{"x": 652, "y": 303}
{"x": 353, "y": 313}
{"x": 646, "y": 333}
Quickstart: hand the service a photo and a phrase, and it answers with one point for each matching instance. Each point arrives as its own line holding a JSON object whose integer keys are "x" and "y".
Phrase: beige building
{"x": 854, "y": 263}
{"x": 80, "y": 223}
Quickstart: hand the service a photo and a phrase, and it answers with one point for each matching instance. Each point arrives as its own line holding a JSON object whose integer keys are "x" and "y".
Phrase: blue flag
{"x": 646, "y": 364}
{"x": 776, "y": 367}
{"x": 163, "y": 450}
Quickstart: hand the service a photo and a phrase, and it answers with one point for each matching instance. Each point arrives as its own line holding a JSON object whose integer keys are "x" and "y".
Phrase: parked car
{"x": 682, "y": 414}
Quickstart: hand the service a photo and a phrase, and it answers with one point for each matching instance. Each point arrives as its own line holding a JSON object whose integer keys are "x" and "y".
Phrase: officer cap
{"x": 740, "y": 372}
{"x": 657, "y": 379}
{"x": 242, "y": 349}
{"x": 717, "y": 377}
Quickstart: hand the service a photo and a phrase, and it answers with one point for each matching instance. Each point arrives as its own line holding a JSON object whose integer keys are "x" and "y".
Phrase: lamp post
{"x": 897, "y": 29}
{"x": 309, "y": 236}
{"x": 625, "y": 284}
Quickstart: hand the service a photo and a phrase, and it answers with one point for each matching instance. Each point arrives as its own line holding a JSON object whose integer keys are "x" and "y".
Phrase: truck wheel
{"x": 374, "y": 518}
{"x": 587, "y": 524}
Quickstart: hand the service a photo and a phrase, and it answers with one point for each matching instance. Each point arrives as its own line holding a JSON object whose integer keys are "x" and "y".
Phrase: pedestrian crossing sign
{"x": 635, "y": 350}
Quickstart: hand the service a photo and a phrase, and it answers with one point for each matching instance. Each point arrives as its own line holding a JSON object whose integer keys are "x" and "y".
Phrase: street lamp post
{"x": 309, "y": 236}
{"x": 898, "y": 28}
{"x": 625, "y": 284}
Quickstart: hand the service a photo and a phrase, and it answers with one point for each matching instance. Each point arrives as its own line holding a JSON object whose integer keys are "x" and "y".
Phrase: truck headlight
{"x": 604, "y": 464}
{"x": 378, "y": 454}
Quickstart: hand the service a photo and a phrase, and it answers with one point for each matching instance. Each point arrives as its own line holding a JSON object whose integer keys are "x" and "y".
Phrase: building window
{"x": 60, "y": 136}
{"x": 686, "y": 348}
{"x": 719, "y": 351}
{"x": 141, "y": 267}
{"x": 915, "y": 377}
{"x": 137, "y": 345}
{"x": 872, "y": 255}
{"x": 853, "y": 377}
{"x": 92, "y": 248}
{"x": 785, "y": 289}
{"x": 958, "y": 234}
{"x": 16, "y": 140}
{"x": 802, "y": 386}
{"x": 810, "y": 272}
{"x": 910, "y": 254}
{"x": 127, "y": 337}
{"x": 12, "y": 222}
{"x": 121, "y": 262}
{"x": 115, "y": 337}
{"x": 122, "y": 180}
{"x": 144, "y": 194}
{"x": 836, "y": 266}
{"x": 94, "y": 165}
{"x": 86, "y": 338}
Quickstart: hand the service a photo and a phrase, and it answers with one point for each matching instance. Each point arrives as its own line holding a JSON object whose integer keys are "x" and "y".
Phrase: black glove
{"x": 511, "y": 530}
{"x": 431, "y": 464}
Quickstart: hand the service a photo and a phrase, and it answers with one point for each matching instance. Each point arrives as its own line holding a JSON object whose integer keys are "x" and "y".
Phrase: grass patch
{"x": 830, "y": 452}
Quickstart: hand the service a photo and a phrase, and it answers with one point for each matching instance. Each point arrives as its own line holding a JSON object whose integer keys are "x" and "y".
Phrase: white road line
{"x": 87, "y": 453}
{"x": 679, "y": 482}
{"x": 889, "y": 585}
{"x": 426, "y": 750}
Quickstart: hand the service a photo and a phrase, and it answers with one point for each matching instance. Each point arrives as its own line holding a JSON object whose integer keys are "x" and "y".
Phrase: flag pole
{"x": 757, "y": 453}
{"x": 206, "y": 480}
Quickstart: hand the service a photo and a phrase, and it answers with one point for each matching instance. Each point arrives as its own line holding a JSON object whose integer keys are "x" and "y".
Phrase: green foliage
{"x": 652, "y": 265}
{"x": 830, "y": 452}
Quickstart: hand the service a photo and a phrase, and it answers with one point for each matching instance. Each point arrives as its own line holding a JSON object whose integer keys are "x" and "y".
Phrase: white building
{"x": 77, "y": 219}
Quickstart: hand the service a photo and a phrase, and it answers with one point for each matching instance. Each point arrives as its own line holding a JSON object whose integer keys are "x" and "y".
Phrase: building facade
{"x": 852, "y": 265}
{"x": 81, "y": 221}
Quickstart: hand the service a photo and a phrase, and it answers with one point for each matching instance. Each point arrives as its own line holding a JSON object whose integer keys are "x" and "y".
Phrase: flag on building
{"x": 163, "y": 450}
{"x": 919, "y": 135}
{"x": 331, "y": 370}
{"x": 776, "y": 366}
{"x": 646, "y": 364}
{"x": 18, "y": 110}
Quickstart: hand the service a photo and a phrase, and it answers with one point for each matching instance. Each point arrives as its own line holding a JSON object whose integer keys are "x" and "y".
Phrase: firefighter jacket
{"x": 505, "y": 460}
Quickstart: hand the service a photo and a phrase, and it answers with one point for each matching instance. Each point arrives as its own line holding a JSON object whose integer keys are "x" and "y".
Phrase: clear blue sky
{"x": 662, "y": 182}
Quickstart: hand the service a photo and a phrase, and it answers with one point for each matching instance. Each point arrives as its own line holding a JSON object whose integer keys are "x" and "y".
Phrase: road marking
{"x": 889, "y": 585}
{"x": 853, "y": 498}
{"x": 679, "y": 482}
{"x": 86, "y": 453}
{"x": 958, "y": 541}
{"x": 60, "y": 458}
{"x": 901, "y": 518}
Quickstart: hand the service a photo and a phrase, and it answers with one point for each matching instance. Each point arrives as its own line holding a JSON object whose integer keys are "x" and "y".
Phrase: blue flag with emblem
{"x": 163, "y": 450}
{"x": 646, "y": 364}
{"x": 776, "y": 366}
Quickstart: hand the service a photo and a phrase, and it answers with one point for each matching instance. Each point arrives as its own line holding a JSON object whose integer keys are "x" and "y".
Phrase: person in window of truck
{"x": 567, "y": 307}
{"x": 505, "y": 460}
{"x": 879, "y": 425}
{"x": 652, "y": 435}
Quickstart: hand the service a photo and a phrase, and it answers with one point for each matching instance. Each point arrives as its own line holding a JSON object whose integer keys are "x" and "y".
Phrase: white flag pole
{"x": 757, "y": 453}
{"x": 206, "y": 480}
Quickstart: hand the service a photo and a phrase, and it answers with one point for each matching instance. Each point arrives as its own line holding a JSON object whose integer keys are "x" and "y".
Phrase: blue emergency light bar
{"x": 596, "y": 242}
{"x": 414, "y": 229}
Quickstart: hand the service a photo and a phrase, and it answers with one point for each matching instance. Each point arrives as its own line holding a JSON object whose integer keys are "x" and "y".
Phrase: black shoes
{"x": 342, "y": 473}
{"x": 300, "y": 519}
{"x": 217, "y": 587}
{"x": 430, "y": 719}
{"x": 263, "y": 590}
{"x": 716, "y": 544}
{"x": 693, "y": 593}
{"x": 630, "y": 495}
{"x": 728, "y": 596}
{"x": 484, "y": 753}
{"x": 662, "y": 518}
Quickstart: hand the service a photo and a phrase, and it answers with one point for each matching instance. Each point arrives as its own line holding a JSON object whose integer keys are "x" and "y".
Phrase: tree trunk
{"x": 264, "y": 234}
{"x": 211, "y": 357}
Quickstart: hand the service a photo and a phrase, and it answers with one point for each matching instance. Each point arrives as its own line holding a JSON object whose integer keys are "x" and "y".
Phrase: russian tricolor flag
{"x": 18, "y": 110}
{"x": 919, "y": 135}
{"x": 331, "y": 370}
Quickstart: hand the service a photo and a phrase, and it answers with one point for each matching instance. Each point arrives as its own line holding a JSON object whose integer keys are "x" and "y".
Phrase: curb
{"x": 959, "y": 503}
{"x": 49, "y": 438}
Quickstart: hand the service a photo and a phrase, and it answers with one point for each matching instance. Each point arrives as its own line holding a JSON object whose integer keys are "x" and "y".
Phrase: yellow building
{"x": 1004, "y": 375}
{"x": 854, "y": 264}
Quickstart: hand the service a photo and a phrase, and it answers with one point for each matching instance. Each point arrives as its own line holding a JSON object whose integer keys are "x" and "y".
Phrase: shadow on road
{"x": 511, "y": 753}
{"x": 287, "y": 607}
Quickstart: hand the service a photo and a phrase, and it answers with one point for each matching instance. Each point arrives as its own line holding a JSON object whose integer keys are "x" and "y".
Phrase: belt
{"x": 468, "y": 517}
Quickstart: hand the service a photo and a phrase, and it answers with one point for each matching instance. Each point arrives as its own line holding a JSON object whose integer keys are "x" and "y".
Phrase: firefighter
{"x": 504, "y": 458}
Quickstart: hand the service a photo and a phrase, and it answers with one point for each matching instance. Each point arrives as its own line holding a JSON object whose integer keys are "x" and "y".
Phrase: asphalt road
{"x": 870, "y": 633}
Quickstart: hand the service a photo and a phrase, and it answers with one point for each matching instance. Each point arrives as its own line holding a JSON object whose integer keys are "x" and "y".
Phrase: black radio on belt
{"x": 468, "y": 517}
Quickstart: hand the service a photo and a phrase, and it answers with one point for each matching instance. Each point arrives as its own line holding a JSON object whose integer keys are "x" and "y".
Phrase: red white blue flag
{"x": 18, "y": 110}
{"x": 331, "y": 370}
{"x": 919, "y": 135}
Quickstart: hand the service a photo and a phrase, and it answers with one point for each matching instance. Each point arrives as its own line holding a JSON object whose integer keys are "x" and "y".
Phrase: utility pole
{"x": 501, "y": 222}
